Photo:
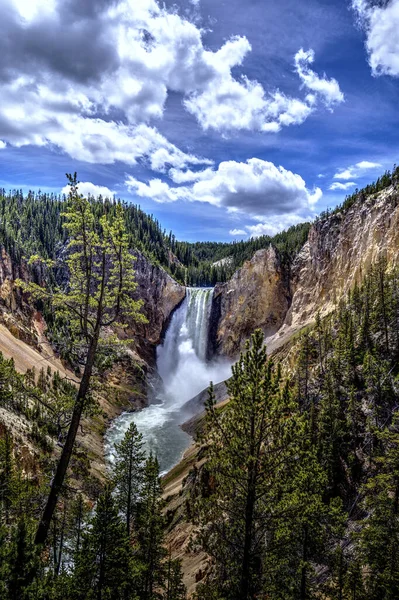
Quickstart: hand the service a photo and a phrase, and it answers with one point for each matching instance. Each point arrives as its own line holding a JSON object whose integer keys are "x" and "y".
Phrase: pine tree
{"x": 128, "y": 473}
{"x": 22, "y": 562}
{"x": 79, "y": 511}
{"x": 150, "y": 532}
{"x": 379, "y": 538}
{"x": 307, "y": 526}
{"x": 331, "y": 432}
{"x": 101, "y": 280}
{"x": 175, "y": 588}
{"x": 104, "y": 567}
{"x": 248, "y": 449}
{"x": 7, "y": 477}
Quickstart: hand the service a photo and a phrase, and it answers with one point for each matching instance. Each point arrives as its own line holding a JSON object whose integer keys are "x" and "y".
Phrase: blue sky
{"x": 224, "y": 119}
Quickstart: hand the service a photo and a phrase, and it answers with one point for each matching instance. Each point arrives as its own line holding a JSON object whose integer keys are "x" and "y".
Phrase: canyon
{"x": 192, "y": 336}
{"x": 267, "y": 292}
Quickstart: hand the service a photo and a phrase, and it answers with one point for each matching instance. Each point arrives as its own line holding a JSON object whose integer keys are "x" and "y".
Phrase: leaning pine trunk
{"x": 44, "y": 525}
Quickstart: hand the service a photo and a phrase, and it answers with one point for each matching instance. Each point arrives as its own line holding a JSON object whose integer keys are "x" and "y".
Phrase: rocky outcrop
{"x": 6, "y": 280}
{"x": 339, "y": 252}
{"x": 257, "y": 296}
{"x": 19, "y": 316}
{"x": 160, "y": 294}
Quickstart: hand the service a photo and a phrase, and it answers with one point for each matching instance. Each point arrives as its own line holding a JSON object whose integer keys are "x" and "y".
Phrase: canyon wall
{"x": 257, "y": 296}
{"x": 160, "y": 294}
{"x": 281, "y": 300}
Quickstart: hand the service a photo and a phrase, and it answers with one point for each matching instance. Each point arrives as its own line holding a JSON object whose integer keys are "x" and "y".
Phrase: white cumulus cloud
{"x": 274, "y": 225}
{"x": 357, "y": 170}
{"x": 92, "y": 78}
{"x": 328, "y": 89}
{"x": 366, "y": 164}
{"x": 381, "y": 24}
{"x": 238, "y": 232}
{"x": 227, "y": 104}
{"x": 87, "y": 188}
{"x": 256, "y": 188}
{"x": 342, "y": 186}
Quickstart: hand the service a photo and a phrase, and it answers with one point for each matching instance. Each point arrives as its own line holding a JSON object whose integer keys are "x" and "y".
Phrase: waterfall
{"x": 186, "y": 342}
{"x": 185, "y": 371}
{"x": 197, "y": 318}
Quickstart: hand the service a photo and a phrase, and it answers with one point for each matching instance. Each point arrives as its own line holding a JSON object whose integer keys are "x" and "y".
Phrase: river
{"x": 184, "y": 371}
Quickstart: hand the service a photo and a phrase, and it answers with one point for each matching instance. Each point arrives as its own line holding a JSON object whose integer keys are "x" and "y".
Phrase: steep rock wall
{"x": 160, "y": 294}
{"x": 338, "y": 253}
{"x": 257, "y": 296}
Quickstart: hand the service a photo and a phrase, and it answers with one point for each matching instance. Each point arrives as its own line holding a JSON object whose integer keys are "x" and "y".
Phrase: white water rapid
{"x": 183, "y": 367}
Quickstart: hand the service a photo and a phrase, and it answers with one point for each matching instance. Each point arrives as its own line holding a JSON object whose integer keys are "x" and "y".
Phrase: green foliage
{"x": 97, "y": 295}
{"x": 261, "y": 515}
{"x": 200, "y": 258}
{"x": 175, "y": 588}
{"x": 379, "y": 537}
{"x": 128, "y": 474}
{"x": 104, "y": 565}
{"x": 150, "y": 532}
{"x": 34, "y": 225}
{"x": 100, "y": 267}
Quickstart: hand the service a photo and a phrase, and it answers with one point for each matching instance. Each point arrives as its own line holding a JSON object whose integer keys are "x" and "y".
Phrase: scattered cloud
{"x": 380, "y": 21}
{"x": 238, "y": 232}
{"x": 87, "y": 188}
{"x": 257, "y": 188}
{"x": 342, "y": 186}
{"x": 356, "y": 171}
{"x": 327, "y": 89}
{"x": 274, "y": 225}
{"x": 345, "y": 174}
{"x": 366, "y": 164}
{"x": 90, "y": 78}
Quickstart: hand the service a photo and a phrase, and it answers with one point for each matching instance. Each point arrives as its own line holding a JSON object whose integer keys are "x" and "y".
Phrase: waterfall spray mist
{"x": 184, "y": 370}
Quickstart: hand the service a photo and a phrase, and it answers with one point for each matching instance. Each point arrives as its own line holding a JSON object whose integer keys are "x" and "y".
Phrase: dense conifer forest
{"x": 299, "y": 494}
{"x": 33, "y": 224}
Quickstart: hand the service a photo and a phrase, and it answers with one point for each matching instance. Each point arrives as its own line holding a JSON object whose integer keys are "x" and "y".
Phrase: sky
{"x": 224, "y": 119}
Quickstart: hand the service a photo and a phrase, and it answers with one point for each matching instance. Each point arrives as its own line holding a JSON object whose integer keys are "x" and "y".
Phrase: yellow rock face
{"x": 338, "y": 253}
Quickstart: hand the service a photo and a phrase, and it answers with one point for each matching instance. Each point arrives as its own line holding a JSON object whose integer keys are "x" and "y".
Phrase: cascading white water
{"x": 184, "y": 370}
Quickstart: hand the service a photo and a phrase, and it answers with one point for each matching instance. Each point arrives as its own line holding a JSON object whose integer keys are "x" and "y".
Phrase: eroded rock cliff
{"x": 258, "y": 295}
{"x": 160, "y": 294}
{"x": 281, "y": 300}
{"x": 340, "y": 251}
